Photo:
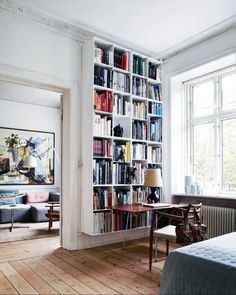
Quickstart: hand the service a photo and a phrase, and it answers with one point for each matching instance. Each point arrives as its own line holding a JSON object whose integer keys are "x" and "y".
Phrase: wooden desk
{"x": 136, "y": 208}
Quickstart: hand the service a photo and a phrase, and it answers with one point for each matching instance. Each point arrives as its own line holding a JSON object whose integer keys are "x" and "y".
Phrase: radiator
{"x": 219, "y": 220}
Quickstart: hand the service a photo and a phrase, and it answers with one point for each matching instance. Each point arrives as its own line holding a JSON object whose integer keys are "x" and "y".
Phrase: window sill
{"x": 227, "y": 201}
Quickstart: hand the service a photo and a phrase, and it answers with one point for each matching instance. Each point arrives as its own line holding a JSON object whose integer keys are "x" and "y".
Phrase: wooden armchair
{"x": 181, "y": 215}
{"x": 52, "y": 214}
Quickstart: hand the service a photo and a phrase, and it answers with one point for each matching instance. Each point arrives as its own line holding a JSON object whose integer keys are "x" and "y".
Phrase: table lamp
{"x": 153, "y": 180}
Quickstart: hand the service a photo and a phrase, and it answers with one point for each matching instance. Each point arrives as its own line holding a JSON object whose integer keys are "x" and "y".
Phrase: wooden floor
{"x": 40, "y": 266}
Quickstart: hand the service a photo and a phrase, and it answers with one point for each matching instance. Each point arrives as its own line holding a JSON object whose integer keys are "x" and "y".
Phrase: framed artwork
{"x": 26, "y": 157}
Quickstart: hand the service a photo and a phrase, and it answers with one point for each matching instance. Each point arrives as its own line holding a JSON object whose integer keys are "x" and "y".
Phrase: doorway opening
{"x": 30, "y": 130}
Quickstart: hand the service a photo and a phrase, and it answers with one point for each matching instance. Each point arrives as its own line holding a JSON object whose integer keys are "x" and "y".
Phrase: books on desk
{"x": 156, "y": 205}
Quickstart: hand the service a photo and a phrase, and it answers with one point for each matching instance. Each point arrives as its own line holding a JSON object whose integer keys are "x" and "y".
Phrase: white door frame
{"x": 70, "y": 180}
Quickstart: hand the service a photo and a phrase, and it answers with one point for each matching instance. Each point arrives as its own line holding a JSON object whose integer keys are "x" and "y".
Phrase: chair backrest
{"x": 192, "y": 213}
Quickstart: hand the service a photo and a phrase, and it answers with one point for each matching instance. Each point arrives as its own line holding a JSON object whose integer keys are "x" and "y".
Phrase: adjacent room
{"x": 117, "y": 147}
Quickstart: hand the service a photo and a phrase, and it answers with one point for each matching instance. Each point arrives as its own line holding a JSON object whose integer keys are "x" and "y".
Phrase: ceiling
{"x": 31, "y": 95}
{"x": 152, "y": 26}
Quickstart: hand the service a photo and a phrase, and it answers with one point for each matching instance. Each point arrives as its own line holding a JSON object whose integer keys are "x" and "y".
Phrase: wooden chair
{"x": 52, "y": 214}
{"x": 181, "y": 215}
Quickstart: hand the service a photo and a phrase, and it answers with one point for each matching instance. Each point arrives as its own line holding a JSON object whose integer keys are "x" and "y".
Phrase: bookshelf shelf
{"x": 121, "y": 87}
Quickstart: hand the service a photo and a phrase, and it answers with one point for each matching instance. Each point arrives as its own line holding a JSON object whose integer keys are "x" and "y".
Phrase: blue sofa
{"x": 36, "y": 212}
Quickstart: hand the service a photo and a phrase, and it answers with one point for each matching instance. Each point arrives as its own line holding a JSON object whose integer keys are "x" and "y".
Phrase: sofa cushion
{"x": 24, "y": 214}
{"x": 38, "y": 212}
{"x": 37, "y": 197}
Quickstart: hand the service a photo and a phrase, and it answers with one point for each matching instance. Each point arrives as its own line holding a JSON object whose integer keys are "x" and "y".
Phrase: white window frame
{"x": 217, "y": 118}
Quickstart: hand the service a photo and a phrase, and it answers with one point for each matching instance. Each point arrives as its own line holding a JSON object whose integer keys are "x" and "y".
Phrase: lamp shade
{"x": 153, "y": 178}
{"x": 30, "y": 162}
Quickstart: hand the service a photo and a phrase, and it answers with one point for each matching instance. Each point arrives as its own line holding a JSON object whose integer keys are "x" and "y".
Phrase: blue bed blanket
{"x": 208, "y": 267}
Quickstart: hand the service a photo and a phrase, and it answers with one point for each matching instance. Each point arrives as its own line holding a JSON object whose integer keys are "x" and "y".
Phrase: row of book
{"x": 121, "y": 105}
{"x": 138, "y": 65}
{"x": 156, "y": 130}
{"x": 139, "y": 110}
{"x": 139, "y": 87}
{"x": 102, "y": 77}
{"x": 154, "y": 91}
{"x": 121, "y": 173}
{"x": 139, "y": 130}
{"x": 102, "y": 222}
{"x": 154, "y": 72}
{"x": 120, "y": 82}
{"x": 102, "y": 125}
{"x": 154, "y": 154}
{"x": 102, "y": 101}
{"x": 154, "y": 108}
{"x": 121, "y": 197}
{"x": 102, "y": 148}
{"x": 103, "y": 55}
{"x": 139, "y": 151}
{"x": 135, "y": 220}
{"x": 102, "y": 199}
{"x": 122, "y": 152}
{"x": 140, "y": 195}
{"x": 121, "y": 60}
{"x": 138, "y": 173}
{"x": 102, "y": 172}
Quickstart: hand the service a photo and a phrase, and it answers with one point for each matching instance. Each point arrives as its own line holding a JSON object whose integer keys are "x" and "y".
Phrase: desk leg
{"x": 151, "y": 239}
{"x": 126, "y": 228}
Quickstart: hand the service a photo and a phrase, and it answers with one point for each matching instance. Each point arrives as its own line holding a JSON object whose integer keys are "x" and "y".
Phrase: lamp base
{"x": 153, "y": 197}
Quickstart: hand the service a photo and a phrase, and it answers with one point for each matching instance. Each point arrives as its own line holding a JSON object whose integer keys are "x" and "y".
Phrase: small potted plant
{"x": 11, "y": 140}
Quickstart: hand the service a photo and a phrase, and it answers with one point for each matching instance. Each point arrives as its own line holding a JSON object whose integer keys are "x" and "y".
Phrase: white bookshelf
{"x": 130, "y": 98}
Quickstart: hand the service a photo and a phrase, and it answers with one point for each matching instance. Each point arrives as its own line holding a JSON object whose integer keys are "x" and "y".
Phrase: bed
{"x": 208, "y": 267}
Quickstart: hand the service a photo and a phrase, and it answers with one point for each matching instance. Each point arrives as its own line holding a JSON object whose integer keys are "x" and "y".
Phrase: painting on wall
{"x": 26, "y": 157}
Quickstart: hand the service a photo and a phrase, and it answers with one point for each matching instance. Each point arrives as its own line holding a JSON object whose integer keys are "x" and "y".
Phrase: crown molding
{"x": 200, "y": 38}
{"x": 70, "y": 30}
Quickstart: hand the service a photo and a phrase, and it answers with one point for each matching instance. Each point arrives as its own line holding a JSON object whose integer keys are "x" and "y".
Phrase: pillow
{"x": 7, "y": 201}
{"x": 37, "y": 197}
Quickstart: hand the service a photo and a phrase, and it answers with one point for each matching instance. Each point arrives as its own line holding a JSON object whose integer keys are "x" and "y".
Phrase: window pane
{"x": 229, "y": 92}
{"x": 203, "y": 99}
{"x": 203, "y": 156}
{"x": 229, "y": 155}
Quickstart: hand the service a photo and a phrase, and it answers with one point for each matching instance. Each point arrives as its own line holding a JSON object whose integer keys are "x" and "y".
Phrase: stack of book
{"x": 139, "y": 130}
{"x": 154, "y": 72}
{"x": 121, "y": 173}
{"x": 102, "y": 148}
{"x": 102, "y": 77}
{"x": 121, "y": 60}
{"x": 155, "y": 108}
{"x": 139, "y": 110}
{"x": 121, "y": 197}
{"x": 140, "y": 195}
{"x": 139, "y": 87}
{"x": 102, "y": 222}
{"x": 156, "y": 130}
{"x": 138, "y": 173}
{"x": 154, "y": 154}
{"x": 122, "y": 152}
{"x": 121, "y": 106}
{"x": 139, "y": 151}
{"x": 138, "y": 65}
{"x": 102, "y": 199}
{"x": 102, "y": 172}
{"x": 102, "y": 125}
{"x": 154, "y": 91}
{"x": 102, "y": 101}
{"x": 121, "y": 82}
{"x": 103, "y": 55}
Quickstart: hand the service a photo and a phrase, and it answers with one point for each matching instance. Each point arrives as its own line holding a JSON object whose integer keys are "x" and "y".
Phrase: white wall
{"x": 196, "y": 56}
{"x": 35, "y": 54}
{"x": 27, "y": 116}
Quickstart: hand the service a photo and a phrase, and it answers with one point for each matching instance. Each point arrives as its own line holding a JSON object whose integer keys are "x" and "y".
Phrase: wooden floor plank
{"x": 41, "y": 266}
{"x": 5, "y": 286}
{"x": 49, "y": 277}
{"x": 110, "y": 282}
{"x": 33, "y": 279}
{"x": 96, "y": 285}
{"x": 18, "y": 282}
{"x": 65, "y": 277}
{"x": 114, "y": 271}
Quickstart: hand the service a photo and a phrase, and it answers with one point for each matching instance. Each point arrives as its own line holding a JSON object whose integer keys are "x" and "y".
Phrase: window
{"x": 211, "y": 131}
